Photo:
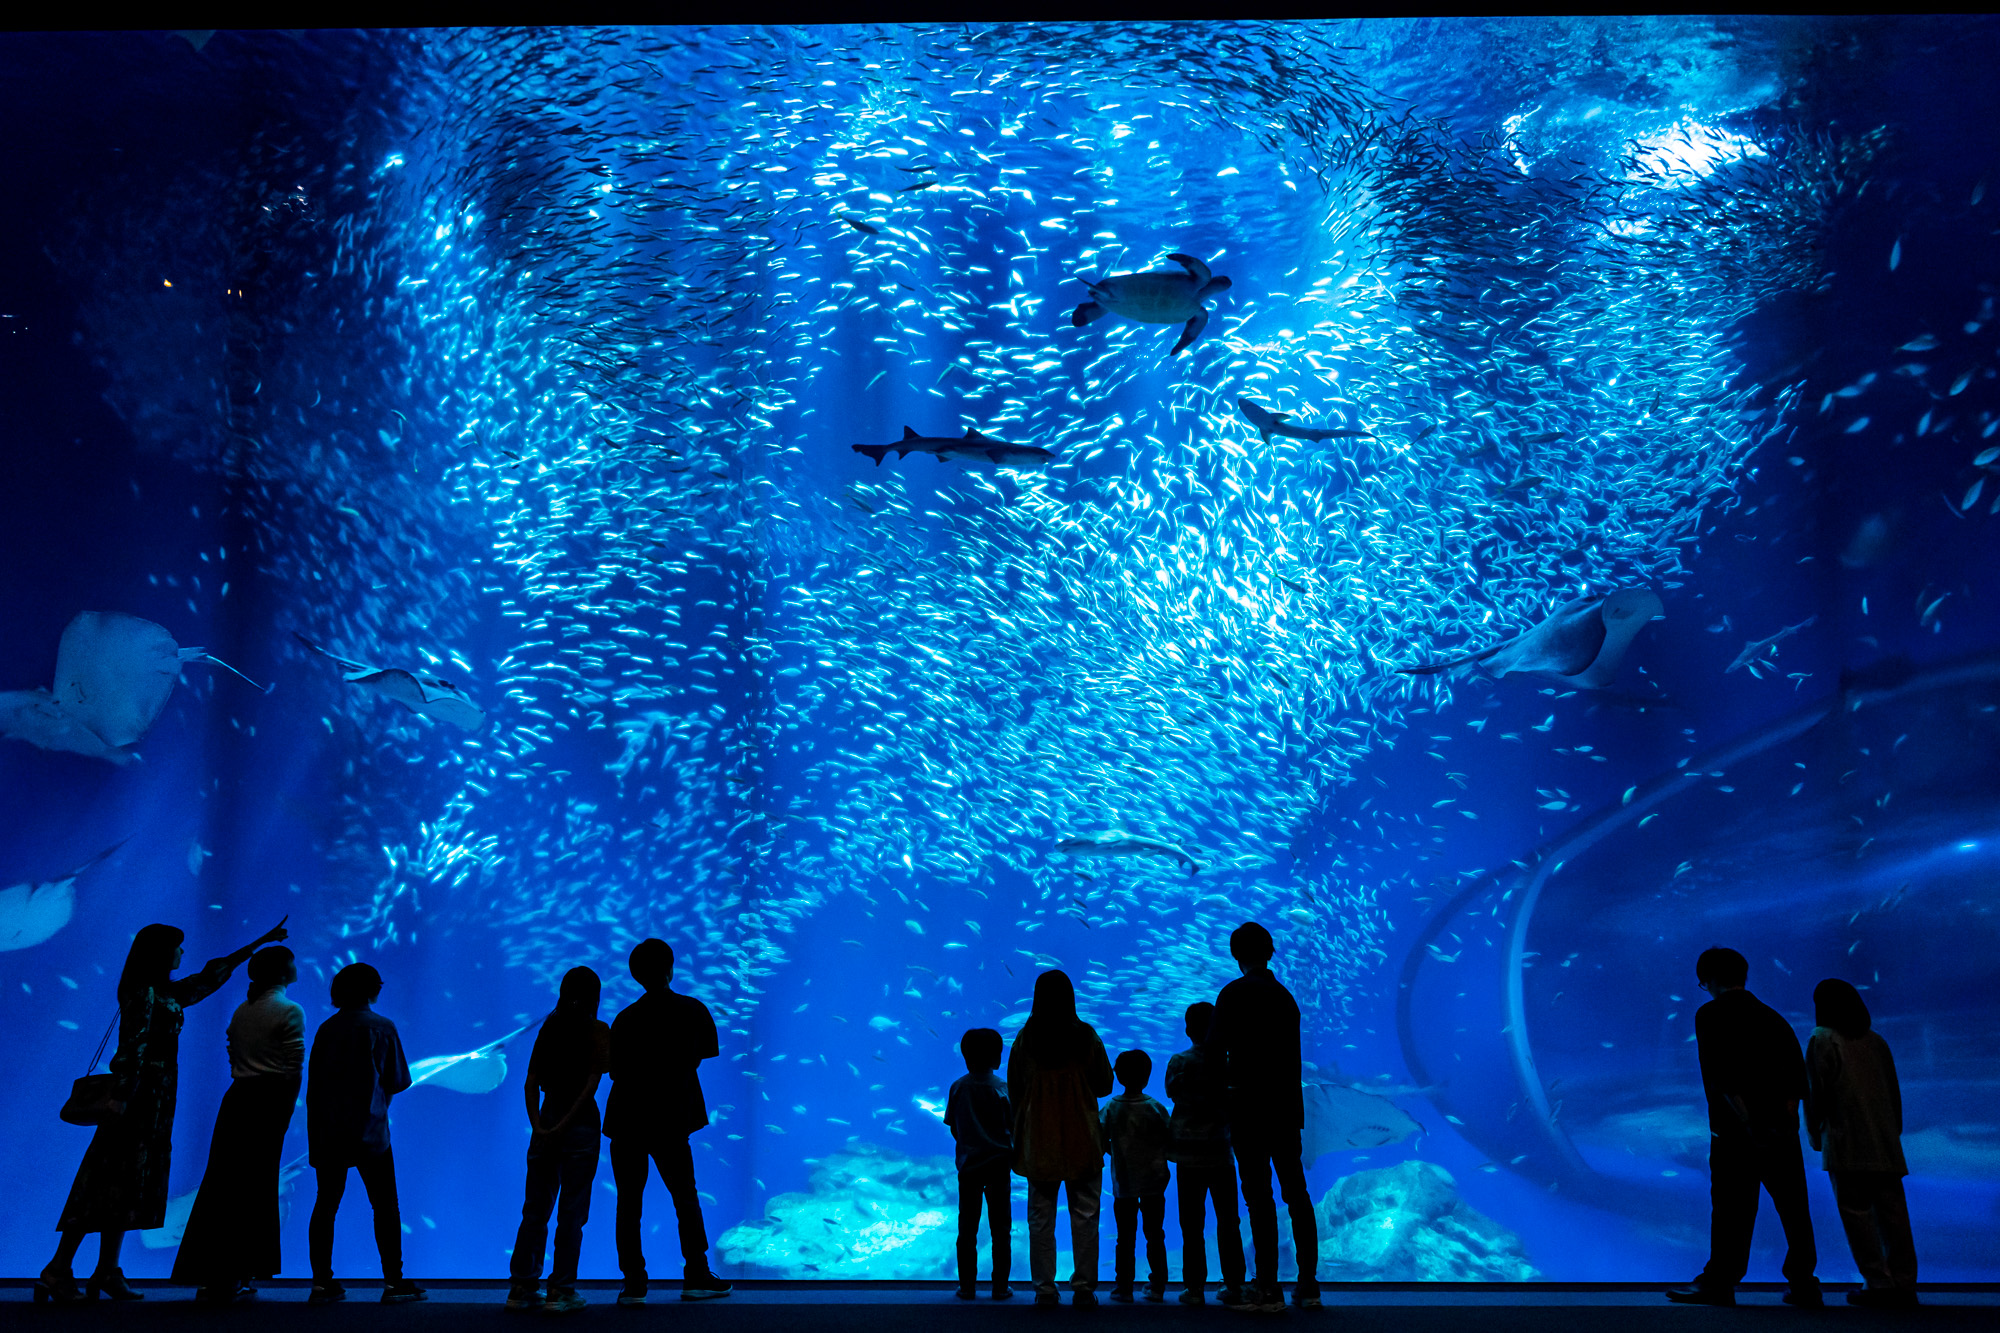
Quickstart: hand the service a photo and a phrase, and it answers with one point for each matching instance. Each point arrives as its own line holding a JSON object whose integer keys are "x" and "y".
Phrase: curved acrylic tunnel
{"x": 1524, "y": 1003}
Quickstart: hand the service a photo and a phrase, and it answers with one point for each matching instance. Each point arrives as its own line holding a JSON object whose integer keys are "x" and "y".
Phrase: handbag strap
{"x": 102, "y": 1043}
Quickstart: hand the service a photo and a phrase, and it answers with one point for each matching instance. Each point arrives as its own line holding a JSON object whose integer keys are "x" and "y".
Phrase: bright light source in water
{"x": 1686, "y": 151}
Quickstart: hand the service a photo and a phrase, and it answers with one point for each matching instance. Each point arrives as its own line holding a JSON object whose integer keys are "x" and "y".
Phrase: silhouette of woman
{"x": 232, "y": 1233}
{"x": 1055, "y": 1074}
{"x": 122, "y": 1184}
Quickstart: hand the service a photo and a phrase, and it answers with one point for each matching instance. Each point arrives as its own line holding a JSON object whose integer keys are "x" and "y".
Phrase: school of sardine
{"x": 579, "y": 339}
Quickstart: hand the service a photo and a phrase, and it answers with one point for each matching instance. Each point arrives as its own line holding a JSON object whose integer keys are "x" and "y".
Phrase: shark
{"x": 971, "y": 447}
{"x": 1123, "y": 845}
{"x": 1753, "y": 653}
{"x": 1269, "y": 423}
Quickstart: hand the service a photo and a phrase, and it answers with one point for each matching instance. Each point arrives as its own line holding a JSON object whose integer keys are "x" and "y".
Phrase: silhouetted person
{"x": 1854, "y": 1116}
{"x": 122, "y": 1184}
{"x": 982, "y": 1127}
{"x": 572, "y": 1054}
{"x": 1256, "y": 1035}
{"x": 1755, "y": 1078}
{"x": 1055, "y": 1074}
{"x": 357, "y": 1066}
{"x": 657, "y": 1045}
{"x": 1136, "y": 1130}
{"x": 232, "y": 1232}
{"x": 1203, "y": 1166}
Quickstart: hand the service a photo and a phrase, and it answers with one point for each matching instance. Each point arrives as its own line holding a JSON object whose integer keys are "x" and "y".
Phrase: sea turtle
{"x": 1160, "y": 297}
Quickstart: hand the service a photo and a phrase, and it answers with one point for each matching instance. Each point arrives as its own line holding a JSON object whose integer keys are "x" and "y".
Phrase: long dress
{"x": 122, "y": 1183}
{"x": 232, "y": 1232}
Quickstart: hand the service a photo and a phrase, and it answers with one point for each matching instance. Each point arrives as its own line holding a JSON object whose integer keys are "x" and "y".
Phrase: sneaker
{"x": 1235, "y": 1298}
{"x": 1156, "y": 1294}
{"x": 703, "y": 1287}
{"x": 1696, "y": 1294}
{"x": 1086, "y": 1298}
{"x": 967, "y": 1292}
{"x": 1003, "y": 1292}
{"x": 524, "y": 1298}
{"x": 1307, "y": 1297}
{"x": 402, "y": 1291}
{"x": 326, "y": 1293}
{"x": 632, "y": 1293}
{"x": 564, "y": 1302}
{"x": 1883, "y": 1298}
{"x": 1805, "y": 1298}
{"x": 1194, "y": 1296}
{"x": 1048, "y": 1298}
{"x": 1271, "y": 1300}
{"x": 1121, "y": 1293}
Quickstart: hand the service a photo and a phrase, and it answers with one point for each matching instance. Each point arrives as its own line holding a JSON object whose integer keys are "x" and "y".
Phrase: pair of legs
{"x": 1127, "y": 1210}
{"x": 992, "y": 1185}
{"x": 1876, "y": 1218}
{"x": 1261, "y": 1151}
{"x": 632, "y": 1162}
{"x": 378, "y": 1177}
{"x": 1084, "y": 1197}
{"x": 1197, "y": 1184}
{"x": 108, "y": 1245}
{"x": 1738, "y": 1166}
{"x": 560, "y": 1176}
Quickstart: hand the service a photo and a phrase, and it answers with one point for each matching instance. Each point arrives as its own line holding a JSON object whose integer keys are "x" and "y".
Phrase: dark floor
{"x": 921, "y": 1307}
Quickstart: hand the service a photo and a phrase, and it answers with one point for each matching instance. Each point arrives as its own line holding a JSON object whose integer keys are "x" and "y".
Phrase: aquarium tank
{"x": 1534, "y": 515}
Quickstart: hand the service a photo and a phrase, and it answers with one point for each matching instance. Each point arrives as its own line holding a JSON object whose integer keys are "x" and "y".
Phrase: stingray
{"x": 479, "y": 1070}
{"x": 114, "y": 673}
{"x": 1340, "y": 1118}
{"x": 30, "y": 913}
{"x": 1581, "y": 644}
{"x": 429, "y": 696}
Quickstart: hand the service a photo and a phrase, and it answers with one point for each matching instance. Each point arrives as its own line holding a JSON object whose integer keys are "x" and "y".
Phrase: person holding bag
{"x": 122, "y": 1184}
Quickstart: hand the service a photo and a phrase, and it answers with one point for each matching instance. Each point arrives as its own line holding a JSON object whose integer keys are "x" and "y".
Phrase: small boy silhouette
{"x": 1136, "y": 1133}
{"x": 1203, "y": 1166}
{"x": 982, "y": 1125}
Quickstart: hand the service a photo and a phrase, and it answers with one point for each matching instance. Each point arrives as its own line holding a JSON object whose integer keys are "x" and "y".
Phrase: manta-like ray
{"x": 971, "y": 447}
{"x": 429, "y": 696}
{"x": 479, "y": 1070}
{"x": 1119, "y": 845}
{"x": 1340, "y": 1118}
{"x": 1269, "y": 423}
{"x": 1159, "y": 297}
{"x": 114, "y": 674}
{"x": 1581, "y": 644}
{"x": 31, "y": 912}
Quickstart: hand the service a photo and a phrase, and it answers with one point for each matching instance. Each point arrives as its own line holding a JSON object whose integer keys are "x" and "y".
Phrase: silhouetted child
{"x": 982, "y": 1125}
{"x": 1136, "y": 1132}
{"x": 1203, "y": 1166}
{"x": 357, "y": 1065}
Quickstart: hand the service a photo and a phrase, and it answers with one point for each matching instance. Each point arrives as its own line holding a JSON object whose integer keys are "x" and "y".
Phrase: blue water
{"x": 534, "y": 361}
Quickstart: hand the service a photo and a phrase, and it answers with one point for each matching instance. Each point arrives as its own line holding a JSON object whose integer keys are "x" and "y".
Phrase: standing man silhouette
{"x": 657, "y": 1043}
{"x": 1755, "y": 1078}
{"x": 1256, "y": 1035}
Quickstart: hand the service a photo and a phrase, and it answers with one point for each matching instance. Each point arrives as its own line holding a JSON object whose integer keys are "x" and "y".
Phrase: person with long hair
{"x": 122, "y": 1184}
{"x": 1854, "y": 1117}
{"x": 1056, "y": 1072}
{"x": 572, "y": 1054}
{"x": 232, "y": 1233}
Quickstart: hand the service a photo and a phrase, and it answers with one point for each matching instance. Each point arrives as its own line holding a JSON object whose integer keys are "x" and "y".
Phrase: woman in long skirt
{"x": 122, "y": 1184}
{"x": 232, "y": 1232}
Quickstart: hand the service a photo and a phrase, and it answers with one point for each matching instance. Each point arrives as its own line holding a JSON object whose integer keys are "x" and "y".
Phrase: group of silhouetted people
{"x": 1236, "y": 1122}
{"x": 1756, "y": 1080}
{"x": 1237, "y": 1107}
{"x": 356, "y": 1066}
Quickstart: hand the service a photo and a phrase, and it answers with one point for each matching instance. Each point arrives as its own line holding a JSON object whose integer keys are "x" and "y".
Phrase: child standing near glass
{"x": 982, "y": 1125}
{"x": 1136, "y": 1132}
